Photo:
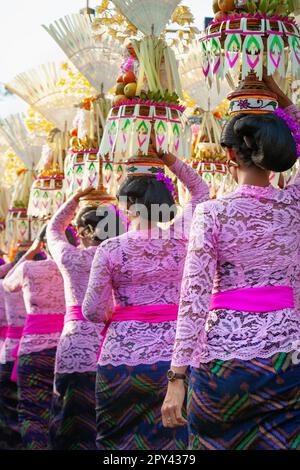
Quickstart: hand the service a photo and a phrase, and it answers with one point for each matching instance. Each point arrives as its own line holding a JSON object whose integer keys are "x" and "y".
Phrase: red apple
{"x": 129, "y": 77}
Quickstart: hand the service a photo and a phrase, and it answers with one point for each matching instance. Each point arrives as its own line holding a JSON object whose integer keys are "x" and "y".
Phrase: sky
{"x": 24, "y": 44}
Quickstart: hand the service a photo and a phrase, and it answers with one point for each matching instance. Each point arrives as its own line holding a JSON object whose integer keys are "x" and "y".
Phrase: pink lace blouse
{"x": 250, "y": 238}
{"x": 43, "y": 291}
{"x": 79, "y": 343}
{"x": 15, "y": 315}
{"x": 3, "y": 321}
{"x": 142, "y": 268}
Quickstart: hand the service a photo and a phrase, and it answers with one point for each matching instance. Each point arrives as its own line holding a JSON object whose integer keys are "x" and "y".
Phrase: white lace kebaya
{"x": 43, "y": 290}
{"x": 248, "y": 239}
{"x": 142, "y": 267}
{"x": 79, "y": 343}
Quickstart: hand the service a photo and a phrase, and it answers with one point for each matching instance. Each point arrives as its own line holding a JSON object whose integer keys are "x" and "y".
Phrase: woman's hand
{"x": 173, "y": 404}
{"x": 80, "y": 193}
{"x": 283, "y": 100}
{"x": 168, "y": 158}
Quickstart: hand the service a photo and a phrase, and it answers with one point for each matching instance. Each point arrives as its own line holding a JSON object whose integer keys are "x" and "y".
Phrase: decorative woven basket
{"x": 129, "y": 128}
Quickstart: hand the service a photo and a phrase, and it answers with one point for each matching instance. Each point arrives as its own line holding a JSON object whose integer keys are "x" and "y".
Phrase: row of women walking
{"x": 162, "y": 338}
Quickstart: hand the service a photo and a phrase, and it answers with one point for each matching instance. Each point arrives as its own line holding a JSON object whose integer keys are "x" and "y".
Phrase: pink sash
{"x": 14, "y": 332}
{"x": 74, "y": 313}
{"x": 144, "y": 313}
{"x": 3, "y": 331}
{"x": 256, "y": 299}
{"x": 38, "y": 324}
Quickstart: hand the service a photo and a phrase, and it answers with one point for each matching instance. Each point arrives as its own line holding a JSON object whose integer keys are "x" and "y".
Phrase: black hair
{"x": 18, "y": 256}
{"x": 38, "y": 257}
{"x": 42, "y": 236}
{"x": 148, "y": 192}
{"x": 97, "y": 223}
{"x": 262, "y": 140}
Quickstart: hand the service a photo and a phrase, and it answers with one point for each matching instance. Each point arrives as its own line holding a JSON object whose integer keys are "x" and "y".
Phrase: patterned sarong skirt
{"x": 73, "y": 415}
{"x": 35, "y": 384}
{"x": 10, "y": 437}
{"x": 128, "y": 406}
{"x": 245, "y": 405}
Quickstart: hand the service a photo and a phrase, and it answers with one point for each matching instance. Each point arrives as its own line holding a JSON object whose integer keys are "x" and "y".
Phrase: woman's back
{"x": 247, "y": 239}
{"x": 258, "y": 237}
{"x": 146, "y": 269}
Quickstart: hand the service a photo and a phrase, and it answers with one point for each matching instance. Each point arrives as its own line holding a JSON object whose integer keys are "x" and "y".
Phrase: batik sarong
{"x": 245, "y": 405}
{"x": 128, "y": 406}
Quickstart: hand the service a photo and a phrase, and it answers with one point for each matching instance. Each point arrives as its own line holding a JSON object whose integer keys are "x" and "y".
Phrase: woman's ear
{"x": 231, "y": 154}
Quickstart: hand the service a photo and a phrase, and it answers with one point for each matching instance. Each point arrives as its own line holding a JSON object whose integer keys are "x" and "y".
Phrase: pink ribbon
{"x": 144, "y": 313}
{"x": 256, "y": 299}
{"x": 3, "y": 331}
{"x": 74, "y": 313}
{"x": 14, "y": 332}
{"x": 37, "y": 324}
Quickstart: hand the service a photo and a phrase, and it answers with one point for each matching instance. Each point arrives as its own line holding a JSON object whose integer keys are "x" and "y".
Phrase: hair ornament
{"x": 160, "y": 176}
{"x": 293, "y": 126}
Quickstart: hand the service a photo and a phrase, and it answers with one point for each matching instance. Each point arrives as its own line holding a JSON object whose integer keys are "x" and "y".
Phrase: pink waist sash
{"x": 144, "y": 313}
{"x": 3, "y": 331}
{"x": 41, "y": 324}
{"x": 74, "y": 313}
{"x": 14, "y": 332}
{"x": 38, "y": 324}
{"x": 256, "y": 299}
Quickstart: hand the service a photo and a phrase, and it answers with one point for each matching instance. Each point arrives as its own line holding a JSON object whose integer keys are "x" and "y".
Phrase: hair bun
{"x": 265, "y": 141}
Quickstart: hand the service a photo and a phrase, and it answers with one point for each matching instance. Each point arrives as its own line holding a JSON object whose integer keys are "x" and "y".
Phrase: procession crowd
{"x": 162, "y": 330}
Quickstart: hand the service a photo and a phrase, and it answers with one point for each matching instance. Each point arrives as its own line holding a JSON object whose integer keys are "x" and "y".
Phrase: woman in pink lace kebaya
{"x": 43, "y": 291}
{"x": 15, "y": 314}
{"x": 73, "y": 418}
{"x": 143, "y": 270}
{"x": 238, "y": 323}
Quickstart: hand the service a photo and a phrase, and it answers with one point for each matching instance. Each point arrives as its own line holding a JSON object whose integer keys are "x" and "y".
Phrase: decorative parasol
{"x": 42, "y": 89}
{"x": 97, "y": 60}
{"x": 240, "y": 42}
{"x": 27, "y": 146}
{"x": 20, "y": 228}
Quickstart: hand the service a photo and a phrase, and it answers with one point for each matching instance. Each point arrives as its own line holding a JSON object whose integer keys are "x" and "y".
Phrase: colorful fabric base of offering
{"x": 255, "y": 105}
{"x": 245, "y": 405}
{"x": 128, "y": 406}
{"x": 73, "y": 417}
{"x": 35, "y": 383}
{"x": 249, "y": 39}
{"x": 10, "y": 437}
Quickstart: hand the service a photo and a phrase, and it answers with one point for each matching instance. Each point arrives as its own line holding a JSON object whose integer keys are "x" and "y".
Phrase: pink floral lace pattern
{"x": 141, "y": 268}
{"x": 79, "y": 343}
{"x": 2, "y": 311}
{"x": 247, "y": 239}
{"x": 15, "y": 315}
{"x": 43, "y": 291}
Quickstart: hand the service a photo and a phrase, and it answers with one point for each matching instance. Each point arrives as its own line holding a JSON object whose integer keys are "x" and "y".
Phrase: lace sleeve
{"x": 56, "y": 238}
{"x": 5, "y": 269}
{"x": 97, "y": 304}
{"x": 13, "y": 282}
{"x": 198, "y": 190}
{"x": 196, "y": 287}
